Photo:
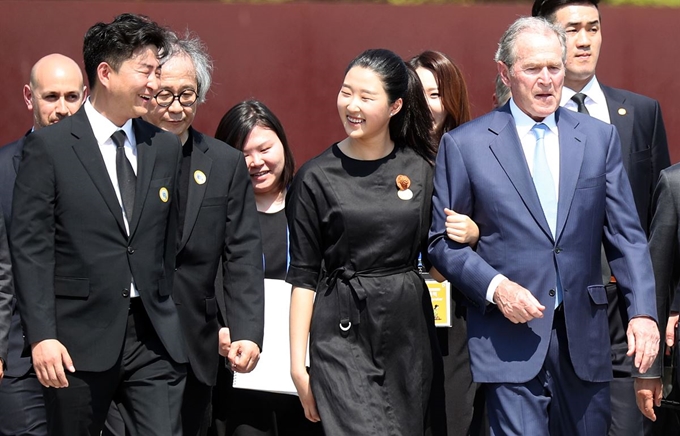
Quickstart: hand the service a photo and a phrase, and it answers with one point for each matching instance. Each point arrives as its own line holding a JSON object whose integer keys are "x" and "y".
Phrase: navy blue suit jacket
{"x": 481, "y": 171}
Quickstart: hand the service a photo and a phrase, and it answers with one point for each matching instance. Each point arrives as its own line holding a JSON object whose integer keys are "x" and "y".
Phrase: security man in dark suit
{"x": 55, "y": 90}
{"x": 5, "y": 295}
{"x": 218, "y": 224}
{"x": 93, "y": 246}
{"x": 644, "y": 150}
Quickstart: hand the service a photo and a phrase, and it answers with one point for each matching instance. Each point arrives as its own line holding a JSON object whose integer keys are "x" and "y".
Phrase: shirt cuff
{"x": 491, "y": 290}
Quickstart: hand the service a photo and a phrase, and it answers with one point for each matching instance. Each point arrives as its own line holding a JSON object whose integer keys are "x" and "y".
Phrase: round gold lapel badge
{"x": 199, "y": 177}
{"x": 163, "y": 194}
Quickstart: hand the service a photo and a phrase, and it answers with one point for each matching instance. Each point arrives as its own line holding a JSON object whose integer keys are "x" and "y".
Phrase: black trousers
{"x": 196, "y": 411}
{"x": 22, "y": 407}
{"x": 145, "y": 383}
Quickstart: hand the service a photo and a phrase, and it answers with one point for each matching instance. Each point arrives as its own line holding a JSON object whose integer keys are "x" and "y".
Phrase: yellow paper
{"x": 441, "y": 297}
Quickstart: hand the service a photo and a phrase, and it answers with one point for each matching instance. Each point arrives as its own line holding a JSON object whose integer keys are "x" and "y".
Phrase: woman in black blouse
{"x": 252, "y": 128}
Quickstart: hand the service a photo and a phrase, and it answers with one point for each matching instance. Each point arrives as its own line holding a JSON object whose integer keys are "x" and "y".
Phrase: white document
{"x": 272, "y": 372}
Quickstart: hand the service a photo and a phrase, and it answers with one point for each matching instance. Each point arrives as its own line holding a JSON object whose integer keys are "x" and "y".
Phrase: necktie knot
{"x": 118, "y": 138}
{"x": 539, "y": 130}
{"x": 580, "y": 99}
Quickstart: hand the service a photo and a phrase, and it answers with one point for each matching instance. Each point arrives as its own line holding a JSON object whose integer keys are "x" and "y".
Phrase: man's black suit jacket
{"x": 6, "y": 292}
{"x": 220, "y": 223}
{"x": 72, "y": 258}
{"x": 10, "y": 156}
{"x": 664, "y": 244}
{"x": 644, "y": 149}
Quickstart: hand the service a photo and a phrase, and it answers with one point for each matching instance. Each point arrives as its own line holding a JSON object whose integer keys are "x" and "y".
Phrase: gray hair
{"x": 502, "y": 91}
{"x": 191, "y": 46}
{"x": 506, "y": 46}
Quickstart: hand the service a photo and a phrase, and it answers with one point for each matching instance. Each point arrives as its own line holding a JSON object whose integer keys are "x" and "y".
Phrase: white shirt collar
{"x": 592, "y": 90}
{"x": 103, "y": 128}
{"x": 524, "y": 123}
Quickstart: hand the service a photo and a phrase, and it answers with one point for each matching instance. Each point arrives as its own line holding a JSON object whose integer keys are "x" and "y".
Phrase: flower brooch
{"x": 404, "y": 183}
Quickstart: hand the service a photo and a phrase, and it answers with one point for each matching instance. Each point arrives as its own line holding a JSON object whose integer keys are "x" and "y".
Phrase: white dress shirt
{"x": 103, "y": 128}
{"x": 595, "y": 101}
{"x": 524, "y": 124}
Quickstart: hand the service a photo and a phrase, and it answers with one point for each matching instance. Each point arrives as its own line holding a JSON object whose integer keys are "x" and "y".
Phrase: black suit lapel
{"x": 146, "y": 158}
{"x": 16, "y": 159}
{"x": 87, "y": 150}
{"x": 200, "y": 171}
{"x": 622, "y": 116}
{"x": 510, "y": 155}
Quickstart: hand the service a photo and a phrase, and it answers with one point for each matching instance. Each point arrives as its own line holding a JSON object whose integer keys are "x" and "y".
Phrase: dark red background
{"x": 293, "y": 56}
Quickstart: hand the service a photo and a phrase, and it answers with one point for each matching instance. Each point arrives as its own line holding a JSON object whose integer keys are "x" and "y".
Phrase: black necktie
{"x": 126, "y": 176}
{"x": 580, "y": 100}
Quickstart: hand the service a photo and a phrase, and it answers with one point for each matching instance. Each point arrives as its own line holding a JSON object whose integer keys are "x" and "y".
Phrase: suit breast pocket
{"x": 214, "y": 201}
{"x": 641, "y": 155}
{"x": 164, "y": 182}
{"x": 591, "y": 182}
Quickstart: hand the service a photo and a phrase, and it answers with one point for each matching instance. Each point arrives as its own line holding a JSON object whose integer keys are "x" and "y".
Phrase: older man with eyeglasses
{"x": 217, "y": 224}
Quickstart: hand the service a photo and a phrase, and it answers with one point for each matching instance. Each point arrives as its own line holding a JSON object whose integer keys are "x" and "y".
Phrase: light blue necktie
{"x": 543, "y": 178}
{"x": 545, "y": 188}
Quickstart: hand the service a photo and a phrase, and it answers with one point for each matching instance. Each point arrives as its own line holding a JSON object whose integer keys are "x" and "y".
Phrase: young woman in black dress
{"x": 253, "y": 129}
{"x": 359, "y": 215}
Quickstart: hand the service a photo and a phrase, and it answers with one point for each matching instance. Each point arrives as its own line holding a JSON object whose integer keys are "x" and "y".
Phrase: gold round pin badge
{"x": 163, "y": 194}
{"x": 404, "y": 183}
{"x": 622, "y": 111}
{"x": 199, "y": 177}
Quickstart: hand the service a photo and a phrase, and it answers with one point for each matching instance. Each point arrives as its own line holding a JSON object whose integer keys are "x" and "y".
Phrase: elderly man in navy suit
{"x": 546, "y": 187}
{"x": 55, "y": 90}
{"x": 644, "y": 150}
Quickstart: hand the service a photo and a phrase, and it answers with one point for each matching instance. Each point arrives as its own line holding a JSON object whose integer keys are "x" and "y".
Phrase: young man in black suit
{"x": 93, "y": 243}
{"x": 644, "y": 151}
{"x": 55, "y": 91}
{"x": 5, "y": 295}
{"x": 218, "y": 225}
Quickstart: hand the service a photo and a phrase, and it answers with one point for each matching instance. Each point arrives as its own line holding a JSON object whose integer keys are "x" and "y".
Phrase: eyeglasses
{"x": 166, "y": 98}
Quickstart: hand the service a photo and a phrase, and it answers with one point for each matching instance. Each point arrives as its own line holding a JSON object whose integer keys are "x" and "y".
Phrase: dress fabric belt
{"x": 346, "y": 283}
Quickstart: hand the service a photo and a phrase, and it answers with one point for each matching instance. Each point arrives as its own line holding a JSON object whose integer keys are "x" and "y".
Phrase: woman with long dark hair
{"x": 359, "y": 215}
{"x": 447, "y": 96}
{"x": 445, "y": 90}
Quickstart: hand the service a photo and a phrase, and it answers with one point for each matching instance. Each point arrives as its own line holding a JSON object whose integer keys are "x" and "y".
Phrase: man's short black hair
{"x": 115, "y": 42}
{"x": 546, "y": 8}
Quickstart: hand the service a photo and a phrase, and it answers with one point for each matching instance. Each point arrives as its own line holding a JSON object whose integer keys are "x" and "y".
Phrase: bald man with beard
{"x": 55, "y": 91}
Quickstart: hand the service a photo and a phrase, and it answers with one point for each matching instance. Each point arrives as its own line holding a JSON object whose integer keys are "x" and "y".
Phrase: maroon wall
{"x": 293, "y": 56}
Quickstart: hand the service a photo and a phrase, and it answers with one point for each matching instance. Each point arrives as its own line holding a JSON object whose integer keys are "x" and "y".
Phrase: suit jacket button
{"x": 558, "y": 250}
{"x": 130, "y": 250}
{"x": 125, "y": 293}
{"x": 551, "y": 292}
